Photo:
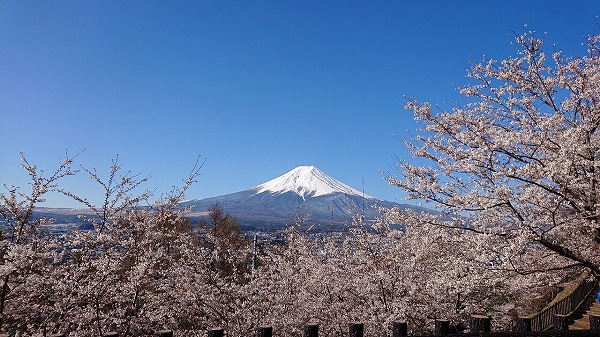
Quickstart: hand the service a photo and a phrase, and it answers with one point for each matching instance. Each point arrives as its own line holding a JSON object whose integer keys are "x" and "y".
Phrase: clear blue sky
{"x": 255, "y": 87}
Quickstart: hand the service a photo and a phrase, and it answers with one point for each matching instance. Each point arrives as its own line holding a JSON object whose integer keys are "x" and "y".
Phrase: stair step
{"x": 583, "y": 323}
{"x": 579, "y": 326}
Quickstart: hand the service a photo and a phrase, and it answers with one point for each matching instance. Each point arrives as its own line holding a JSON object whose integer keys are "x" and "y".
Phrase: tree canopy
{"x": 519, "y": 161}
{"x": 513, "y": 174}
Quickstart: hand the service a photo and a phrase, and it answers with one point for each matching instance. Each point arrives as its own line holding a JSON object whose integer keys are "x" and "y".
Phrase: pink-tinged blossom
{"x": 517, "y": 164}
{"x": 512, "y": 175}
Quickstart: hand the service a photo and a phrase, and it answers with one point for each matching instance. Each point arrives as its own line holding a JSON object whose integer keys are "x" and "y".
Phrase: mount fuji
{"x": 305, "y": 191}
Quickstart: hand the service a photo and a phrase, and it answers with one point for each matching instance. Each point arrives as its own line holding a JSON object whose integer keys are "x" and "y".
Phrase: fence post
{"x": 311, "y": 330}
{"x": 399, "y": 329}
{"x": 215, "y": 332}
{"x": 480, "y": 323}
{"x": 442, "y": 327}
{"x": 165, "y": 333}
{"x": 356, "y": 330}
{"x": 561, "y": 322}
{"x": 594, "y": 322}
{"x": 264, "y": 331}
{"x": 523, "y": 323}
{"x": 111, "y": 334}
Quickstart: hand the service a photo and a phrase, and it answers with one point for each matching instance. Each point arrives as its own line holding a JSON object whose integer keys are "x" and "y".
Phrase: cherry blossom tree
{"x": 23, "y": 252}
{"x": 118, "y": 276}
{"x": 512, "y": 174}
{"x": 383, "y": 275}
{"x": 517, "y": 163}
{"x": 143, "y": 267}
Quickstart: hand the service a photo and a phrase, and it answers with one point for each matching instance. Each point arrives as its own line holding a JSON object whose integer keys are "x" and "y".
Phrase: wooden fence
{"x": 479, "y": 327}
{"x": 544, "y": 319}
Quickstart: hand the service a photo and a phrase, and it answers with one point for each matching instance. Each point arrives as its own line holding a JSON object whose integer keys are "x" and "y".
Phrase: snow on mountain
{"x": 307, "y": 181}
{"x": 326, "y": 203}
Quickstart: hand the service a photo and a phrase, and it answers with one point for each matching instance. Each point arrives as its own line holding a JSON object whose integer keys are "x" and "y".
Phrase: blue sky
{"x": 255, "y": 87}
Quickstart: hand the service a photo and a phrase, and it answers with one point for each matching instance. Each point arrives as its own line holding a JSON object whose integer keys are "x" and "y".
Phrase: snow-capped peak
{"x": 307, "y": 181}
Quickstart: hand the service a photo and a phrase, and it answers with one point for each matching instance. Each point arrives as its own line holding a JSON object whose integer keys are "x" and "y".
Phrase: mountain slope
{"x": 305, "y": 190}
